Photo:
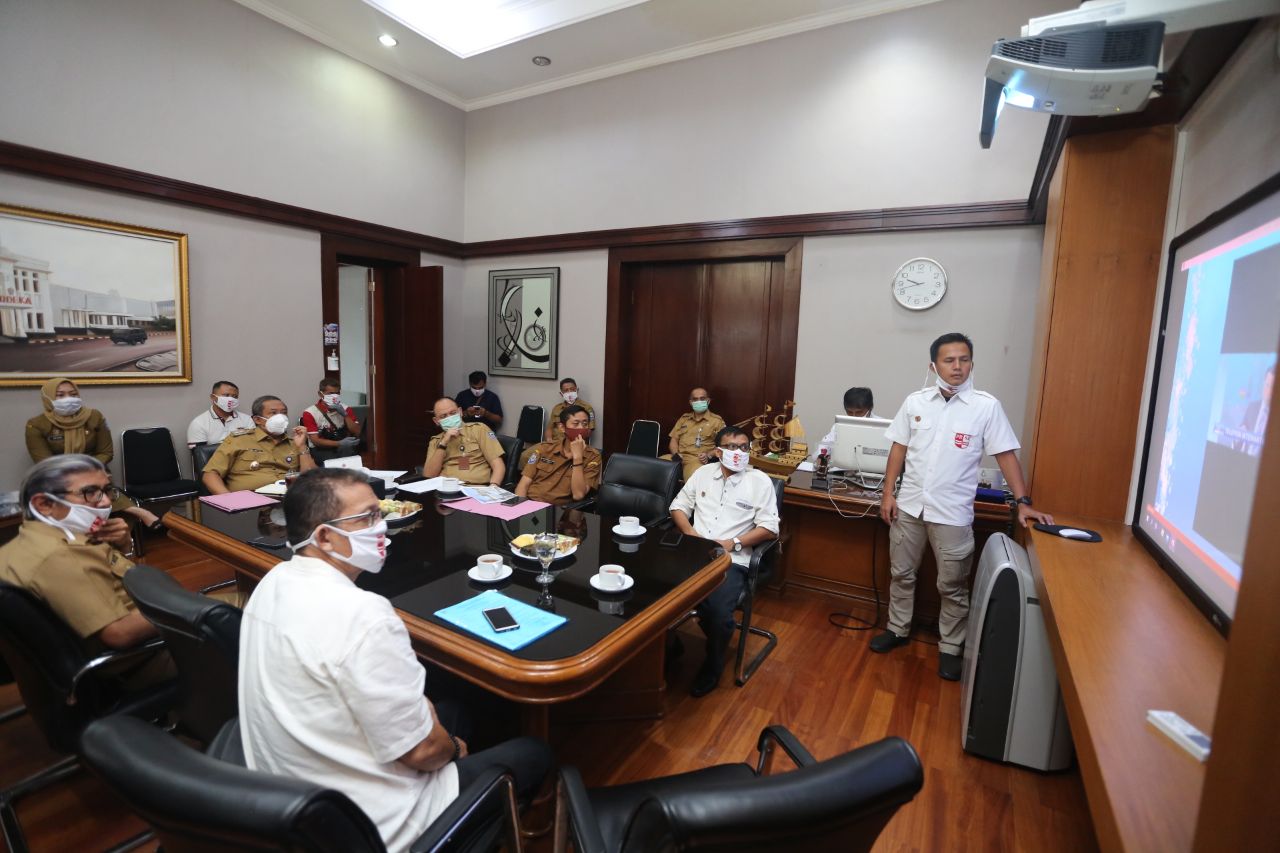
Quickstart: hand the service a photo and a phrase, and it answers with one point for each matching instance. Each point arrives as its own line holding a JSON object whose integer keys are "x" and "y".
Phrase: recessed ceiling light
{"x": 387, "y": 41}
{"x": 541, "y": 61}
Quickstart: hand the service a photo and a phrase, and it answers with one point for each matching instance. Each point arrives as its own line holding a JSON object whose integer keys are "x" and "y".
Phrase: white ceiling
{"x": 638, "y": 36}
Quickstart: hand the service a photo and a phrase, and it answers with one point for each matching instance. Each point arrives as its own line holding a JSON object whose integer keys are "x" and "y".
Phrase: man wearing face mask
{"x": 568, "y": 397}
{"x": 939, "y": 437}
{"x": 564, "y": 470}
{"x": 693, "y": 436}
{"x": 331, "y": 428}
{"x": 252, "y": 458}
{"x": 330, "y": 688}
{"x": 68, "y": 553}
{"x": 469, "y": 452}
{"x": 735, "y": 506}
{"x": 478, "y": 403}
{"x": 221, "y": 419}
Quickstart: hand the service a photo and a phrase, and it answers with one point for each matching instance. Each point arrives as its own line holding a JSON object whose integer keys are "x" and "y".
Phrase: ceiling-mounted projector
{"x": 1089, "y": 70}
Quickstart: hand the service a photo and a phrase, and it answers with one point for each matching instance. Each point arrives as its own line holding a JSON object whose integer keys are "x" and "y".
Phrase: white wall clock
{"x": 920, "y": 283}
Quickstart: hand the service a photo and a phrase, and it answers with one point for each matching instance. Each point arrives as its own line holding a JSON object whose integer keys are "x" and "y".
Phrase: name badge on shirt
{"x": 744, "y": 505}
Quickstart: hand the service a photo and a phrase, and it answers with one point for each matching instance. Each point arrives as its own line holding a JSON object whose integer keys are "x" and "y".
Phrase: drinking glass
{"x": 544, "y": 548}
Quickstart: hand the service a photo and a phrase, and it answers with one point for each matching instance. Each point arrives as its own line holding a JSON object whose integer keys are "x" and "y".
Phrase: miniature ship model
{"x": 776, "y": 440}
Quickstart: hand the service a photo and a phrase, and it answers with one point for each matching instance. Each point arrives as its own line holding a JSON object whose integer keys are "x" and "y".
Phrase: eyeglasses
{"x": 361, "y": 520}
{"x": 746, "y": 446}
{"x": 92, "y": 494}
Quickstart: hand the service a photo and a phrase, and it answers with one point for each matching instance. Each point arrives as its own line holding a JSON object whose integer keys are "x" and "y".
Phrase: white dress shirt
{"x": 331, "y": 692}
{"x": 724, "y": 507}
{"x": 208, "y": 428}
{"x": 945, "y": 442}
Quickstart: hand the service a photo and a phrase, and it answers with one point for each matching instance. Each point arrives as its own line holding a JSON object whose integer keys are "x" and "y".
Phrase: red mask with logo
{"x": 575, "y": 432}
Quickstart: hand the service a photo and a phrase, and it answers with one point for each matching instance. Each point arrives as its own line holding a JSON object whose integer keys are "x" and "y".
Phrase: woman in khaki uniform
{"x": 67, "y": 425}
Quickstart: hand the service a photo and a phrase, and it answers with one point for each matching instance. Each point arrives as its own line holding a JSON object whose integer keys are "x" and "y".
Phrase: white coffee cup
{"x": 489, "y": 566}
{"x": 630, "y": 524}
{"x": 450, "y": 484}
{"x": 612, "y": 577}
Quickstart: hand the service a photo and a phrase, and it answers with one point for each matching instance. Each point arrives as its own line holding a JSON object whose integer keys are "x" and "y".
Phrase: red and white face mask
{"x": 734, "y": 459}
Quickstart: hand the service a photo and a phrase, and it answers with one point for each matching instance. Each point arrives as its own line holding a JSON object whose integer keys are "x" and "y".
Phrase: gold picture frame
{"x": 102, "y": 303}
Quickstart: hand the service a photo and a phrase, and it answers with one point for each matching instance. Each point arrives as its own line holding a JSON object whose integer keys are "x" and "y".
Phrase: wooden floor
{"x": 820, "y": 682}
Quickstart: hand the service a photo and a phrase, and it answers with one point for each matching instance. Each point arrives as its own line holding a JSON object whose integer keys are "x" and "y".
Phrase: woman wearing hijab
{"x": 69, "y": 426}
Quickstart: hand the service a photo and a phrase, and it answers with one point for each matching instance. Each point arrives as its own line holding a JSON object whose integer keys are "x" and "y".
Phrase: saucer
{"x": 629, "y": 582}
{"x": 622, "y": 531}
{"x": 474, "y": 574}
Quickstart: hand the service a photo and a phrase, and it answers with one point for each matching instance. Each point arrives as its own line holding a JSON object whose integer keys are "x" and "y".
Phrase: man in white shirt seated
{"x": 858, "y": 403}
{"x": 940, "y": 434}
{"x": 330, "y": 689}
{"x": 734, "y": 505}
{"x": 221, "y": 418}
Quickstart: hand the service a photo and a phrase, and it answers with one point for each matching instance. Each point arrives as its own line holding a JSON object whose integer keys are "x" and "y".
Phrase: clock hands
{"x": 913, "y": 284}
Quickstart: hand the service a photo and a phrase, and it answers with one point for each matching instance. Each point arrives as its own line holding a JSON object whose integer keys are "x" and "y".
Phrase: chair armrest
{"x": 758, "y": 553}
{"x": 491, "y": 792}
{"x": 583, "y": 825}
{"x": 790, "y": 744}
{"x": 585, "y": 503}
{"x": 216, "y": 586}
{"x": 97, "y": 663}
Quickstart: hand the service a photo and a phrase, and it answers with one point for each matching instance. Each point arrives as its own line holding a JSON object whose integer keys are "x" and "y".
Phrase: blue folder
{"x": 469, "y": 616}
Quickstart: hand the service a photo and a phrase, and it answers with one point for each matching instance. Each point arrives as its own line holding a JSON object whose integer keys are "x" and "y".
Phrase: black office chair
{"x": 764, "y": 560}
{"x": 150, "y": 467}
{"x": 645, "y": 438}
{"x": 64, "y": 690}
{"x": 203, "y": 638}
{"x": 512, "y": 446}
{"x": 529, "y": 430}
{"x": 199, "y": 803}
{"x": 841, "y": 804}
{"x": 200, "y": 456}
{"x": 638, "y": 485}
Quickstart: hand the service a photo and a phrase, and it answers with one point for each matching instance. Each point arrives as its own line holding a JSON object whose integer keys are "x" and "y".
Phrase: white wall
{"x": 881, "y": 112}
{"x": 253, "y": 286}
{"x": 211, "y": 92}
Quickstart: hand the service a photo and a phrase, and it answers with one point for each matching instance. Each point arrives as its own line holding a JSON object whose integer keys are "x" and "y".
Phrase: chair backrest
{"x": 202, "y": 635}
{"x": 645, "y": 438}
{"x": 198, "y": 803}
{"x": 44, "y": 655}
{"x": 149, "y": 457}
{"x": 511, "y": 447}
{"x": 200, "y": 456}
{"x": 638, "y": 485}
{"x": 530, "y": 426}
{"x": 841, "y": 804}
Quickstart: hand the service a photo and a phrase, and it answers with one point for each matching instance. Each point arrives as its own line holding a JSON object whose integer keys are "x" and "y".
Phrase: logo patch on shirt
{"x": 533, "y": 457}
{"x": 744, "y": 505}
{"x": 963, "y": 439}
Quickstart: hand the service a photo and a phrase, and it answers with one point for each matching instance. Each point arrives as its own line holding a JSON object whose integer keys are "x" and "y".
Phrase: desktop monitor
{"x": 861, "y": 446}
{"x": 1212, "y": 392}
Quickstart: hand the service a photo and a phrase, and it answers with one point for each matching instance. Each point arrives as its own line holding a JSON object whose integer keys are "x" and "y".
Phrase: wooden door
{"x": 723, "y": 316}
{"x": 408, "y": 377}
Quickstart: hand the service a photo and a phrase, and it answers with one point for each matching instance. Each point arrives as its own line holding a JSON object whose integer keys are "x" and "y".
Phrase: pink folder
{"x": 506, "y": 513}
{"x": 236, "y": 501}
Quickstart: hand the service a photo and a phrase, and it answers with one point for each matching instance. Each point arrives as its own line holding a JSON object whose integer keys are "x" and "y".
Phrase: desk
{"x": 1126, "y": 640}
{"x": 835, "y": 540}
{"x": 426, "y": 570}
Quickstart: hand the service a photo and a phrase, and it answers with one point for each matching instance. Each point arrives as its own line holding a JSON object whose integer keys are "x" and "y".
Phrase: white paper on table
{"x": 422, "y": 486}
{"x": 345, "y": 462}
{"x": 488, "y": 494}
{"x": 805, "y": 466}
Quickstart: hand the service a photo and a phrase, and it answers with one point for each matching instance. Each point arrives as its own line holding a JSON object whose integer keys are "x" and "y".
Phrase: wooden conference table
{"x": 611, "y": 647}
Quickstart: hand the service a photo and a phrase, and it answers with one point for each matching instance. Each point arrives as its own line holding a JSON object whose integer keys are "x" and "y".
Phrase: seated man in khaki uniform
{"x": 569, "y": 397}
{"x": 68, "y": 554}
{"x": 693, "y": 438}
{"x": 252, "y": 458}
{"x": 566, "y": 470}
{"x": 469, "y": 452}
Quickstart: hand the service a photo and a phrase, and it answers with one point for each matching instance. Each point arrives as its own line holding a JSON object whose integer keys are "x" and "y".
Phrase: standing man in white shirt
{"x": 221, "y": 418}
{"x": 940, "y": 434}
{"x": 735, "y": 506}
{"x": 330, "y": 689}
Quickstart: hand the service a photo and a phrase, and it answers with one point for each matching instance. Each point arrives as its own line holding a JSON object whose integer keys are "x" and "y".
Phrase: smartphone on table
{"x": 500, "y": 619}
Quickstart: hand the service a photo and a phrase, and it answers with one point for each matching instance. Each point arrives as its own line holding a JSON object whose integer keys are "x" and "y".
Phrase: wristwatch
{"x": 1025, "y": 499}
{"x": 737, "y": 544}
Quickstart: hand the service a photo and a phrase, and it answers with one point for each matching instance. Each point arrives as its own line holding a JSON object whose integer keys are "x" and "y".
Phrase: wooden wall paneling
{"x": 1105, "y": 280}
{"x": 1240, "y": 806}
{"x": 737, "y": 329}
{"x": 413, "y": 360}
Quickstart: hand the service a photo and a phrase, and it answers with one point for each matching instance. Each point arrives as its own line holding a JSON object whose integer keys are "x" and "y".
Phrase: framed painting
{"x": 98, "y": 302}
{"x": 524, "y": 322}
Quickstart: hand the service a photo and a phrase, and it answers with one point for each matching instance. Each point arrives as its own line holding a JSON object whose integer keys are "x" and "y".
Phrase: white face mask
{"x": 227, "y": 404}
{"x": 479, "y": 392}
{"x": 570, "y": 397}
{"x": 735, "y": 460}
{"x": 368, "y": 547}
{"x": 333, "y": 401}
{"x": 944, "y": 385}
{"x": 276, "y": 424}
{"x": 66, "y": 406}
{"x": 81, "y": 518}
